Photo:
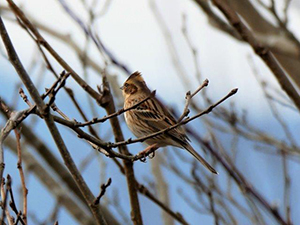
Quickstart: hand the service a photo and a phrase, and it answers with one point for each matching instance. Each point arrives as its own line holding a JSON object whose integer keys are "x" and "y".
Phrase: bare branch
{"x": 54, "y": 187}
{"x": 107, "y": 103}
{"x": 4, "y": 197}
{"x": 188, "y": 98}
{"x": 12, "y": 203}
{"x": 242, "y": 182}
{"x": 96, "y": 39}
{"x": 22, "y": 176}
{"x": 49, "y": 121}
{"x": 20, "y": 15}
{"x": 9, "y": 126}
{"x": 103, "y": 190}
{"x": 260, "y": 50}
{"x": 206, "y": 111}
{"x": 119, "y": 112}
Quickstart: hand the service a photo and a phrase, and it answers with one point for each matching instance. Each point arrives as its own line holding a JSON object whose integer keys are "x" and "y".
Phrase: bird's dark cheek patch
{"x": 133, "y": 90}
{"x": 130, "y": 90}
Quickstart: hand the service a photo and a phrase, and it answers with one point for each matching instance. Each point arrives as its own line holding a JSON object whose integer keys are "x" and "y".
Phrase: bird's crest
{"x": 136, "y": 76}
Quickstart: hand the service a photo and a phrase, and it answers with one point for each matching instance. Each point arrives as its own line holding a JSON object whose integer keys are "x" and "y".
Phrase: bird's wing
{"x": 158, "y": 118}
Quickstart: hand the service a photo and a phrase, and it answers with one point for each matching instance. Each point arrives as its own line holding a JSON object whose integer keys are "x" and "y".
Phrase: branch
{"x": 206, "y": 111}
{"x": 9, "y": 126}
{"x": 121, "y": 111}
{"x": 53, "y": 91}
{"x": 63, "y": 37}
{"x": 22, "y": 176}
{"x": 141, "y": 155}
{"x": 107, "y": 102}
{"x": 59, "y": 169}
{"x": 4, "y": 197}
{"x": 12, "y": 203}
{"x": 21, "y": 16}
{"x": 103, "y": 190}
{"x": 260, "y": 50}
{"x": 241, "y": 181}
{"x": 142, "y": 189}
{"x": 33, "y": 163}
{"x": 176, "y": 215}
{"x": 188, "y": 98}
{"x": 99, "y": 44}
{"x": 215, "y": 20}
{"x": 15, "y": 118}
{"x": 14, "y": 59}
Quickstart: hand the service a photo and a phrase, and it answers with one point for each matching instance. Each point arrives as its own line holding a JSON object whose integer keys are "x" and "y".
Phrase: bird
{"x": 152, "y": 116}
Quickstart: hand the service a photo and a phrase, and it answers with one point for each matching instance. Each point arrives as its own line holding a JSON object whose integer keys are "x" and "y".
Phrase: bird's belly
{"x": 132, "y": 122}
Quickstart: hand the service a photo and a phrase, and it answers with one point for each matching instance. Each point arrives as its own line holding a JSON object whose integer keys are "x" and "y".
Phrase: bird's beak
{"x": 122, "y": 87}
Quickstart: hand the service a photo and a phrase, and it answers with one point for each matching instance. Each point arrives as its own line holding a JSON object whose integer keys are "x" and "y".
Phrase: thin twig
{"x": 260, "y": 50}
{"x": 67, "y": 199}
{"x": 192, "y": 48}
{"x": 188, "y": 98}
{"x": 20, "y": 15}
{"x": 42, "y": 150}
{"x": 4, "y": 195}
{"x": 107, "y": 102}
{"x": 95, "y": 38}
{"x": 43, "y": 96}
{"x": 54, "y": 91}
{"x": 9, "y": 126}
{"x": 206, "y": 111}
{"x": 242, "y": 182}
{"x": 12, "y": 203}
{"x": 22, "y": 176}
{"x": 142, "y": 154}
{"x": 119, "y": 112}
{"x": 14, "y": 59}
{"x": 103, "y": 190}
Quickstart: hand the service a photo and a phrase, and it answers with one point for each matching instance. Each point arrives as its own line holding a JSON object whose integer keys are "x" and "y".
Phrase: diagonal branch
{"x": 99, "y": 44}
{"x": 20, "y": 15}
{"x": 44, "y": 110}
{"x": 188, "y": 98}
{"x": 103, "y": 190}
{"x": 119, "y": 112}
{"x": 141, "y": 155}
{"x": 260, "y": 50}
{"x": 206, "y": 111}
{"x": 242, "y": 182}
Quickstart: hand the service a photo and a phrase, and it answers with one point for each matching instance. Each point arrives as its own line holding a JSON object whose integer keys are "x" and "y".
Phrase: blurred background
{"x": 176, "y": 45}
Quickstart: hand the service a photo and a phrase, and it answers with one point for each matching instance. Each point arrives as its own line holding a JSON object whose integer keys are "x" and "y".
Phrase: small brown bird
{"x": 152, "y": 116}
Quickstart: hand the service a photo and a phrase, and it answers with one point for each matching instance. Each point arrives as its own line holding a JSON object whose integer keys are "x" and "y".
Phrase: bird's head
{"x": 135, "y": 84}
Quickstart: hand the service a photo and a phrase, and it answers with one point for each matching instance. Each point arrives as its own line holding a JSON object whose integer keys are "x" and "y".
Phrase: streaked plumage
{"x": 152, "y": 116}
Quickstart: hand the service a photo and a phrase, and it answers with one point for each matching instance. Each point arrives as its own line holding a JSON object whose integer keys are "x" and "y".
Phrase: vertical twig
{"x": 4, "y": 197}
{"x": 192, "y": 48}
{"x": 287, "y": 188}
{"x": 169, "y": 41}
{"x": 20, "y": 168}
{"x": 107, "y": 102}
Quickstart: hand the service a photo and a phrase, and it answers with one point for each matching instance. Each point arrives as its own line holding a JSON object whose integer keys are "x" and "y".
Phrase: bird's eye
{"x": 126, "y": 85}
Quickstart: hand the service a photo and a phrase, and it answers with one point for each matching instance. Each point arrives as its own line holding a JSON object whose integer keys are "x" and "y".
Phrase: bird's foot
{"x": 147, "y": 151}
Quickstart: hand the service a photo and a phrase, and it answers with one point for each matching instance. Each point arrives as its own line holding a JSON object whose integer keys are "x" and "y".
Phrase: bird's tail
{"x": 199, "y": 158}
